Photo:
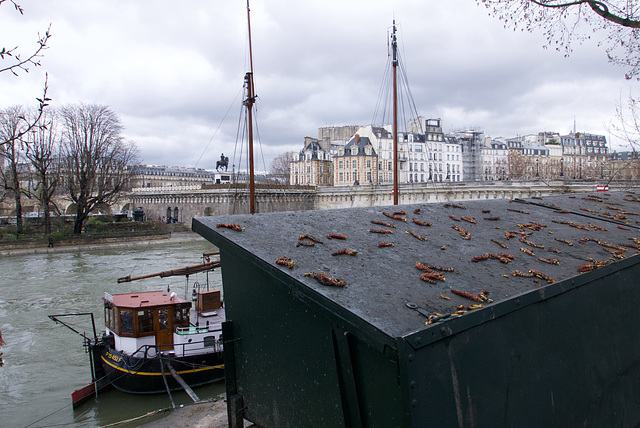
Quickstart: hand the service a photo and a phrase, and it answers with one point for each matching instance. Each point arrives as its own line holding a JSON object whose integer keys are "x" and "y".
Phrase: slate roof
{"x": 360, "y": 143}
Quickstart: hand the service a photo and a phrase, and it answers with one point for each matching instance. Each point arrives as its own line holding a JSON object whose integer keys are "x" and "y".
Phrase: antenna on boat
{"x": 394, "y": 49}
{"x": 248, "y": 78}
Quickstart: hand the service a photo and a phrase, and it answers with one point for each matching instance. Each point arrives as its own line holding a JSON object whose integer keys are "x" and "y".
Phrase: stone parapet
{"x": 188, "y": 204}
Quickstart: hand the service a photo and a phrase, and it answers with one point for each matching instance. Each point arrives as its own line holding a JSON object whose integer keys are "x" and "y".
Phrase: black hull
{"x": 145, "y": 375}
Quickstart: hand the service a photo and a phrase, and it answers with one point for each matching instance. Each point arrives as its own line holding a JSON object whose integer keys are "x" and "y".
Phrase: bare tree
{"x": 567, "y": 21}
{"x": 43, "y": 152}
{"x": 519, "y": 165}
{"x": 96, "y": 157}
{"x": 280, "y": 165}
{"x": 12, "y": 174}
{"x": 627, "y": 123}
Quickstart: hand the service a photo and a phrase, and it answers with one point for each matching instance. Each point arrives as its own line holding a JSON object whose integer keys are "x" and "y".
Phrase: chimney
{"x": 357, "y": 137}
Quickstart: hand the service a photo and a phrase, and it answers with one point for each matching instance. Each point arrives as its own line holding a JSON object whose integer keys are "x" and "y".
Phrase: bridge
{"x": 185, "y": 204}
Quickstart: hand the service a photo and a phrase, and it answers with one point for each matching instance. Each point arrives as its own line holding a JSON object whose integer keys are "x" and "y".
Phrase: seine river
{"x": 44, "y": 362}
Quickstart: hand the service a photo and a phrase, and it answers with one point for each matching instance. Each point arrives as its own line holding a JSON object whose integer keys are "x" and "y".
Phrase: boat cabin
{"x": 159, "y": 320}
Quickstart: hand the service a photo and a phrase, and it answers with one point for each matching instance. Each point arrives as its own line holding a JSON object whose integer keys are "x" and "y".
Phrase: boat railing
{"x": 198, "y": 330}
{"x": 208, "y": 345}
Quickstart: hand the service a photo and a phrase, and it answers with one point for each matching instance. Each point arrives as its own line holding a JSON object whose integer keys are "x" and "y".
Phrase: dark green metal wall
{"x": 288, "y": 367}
{"x": 571, "y": 360}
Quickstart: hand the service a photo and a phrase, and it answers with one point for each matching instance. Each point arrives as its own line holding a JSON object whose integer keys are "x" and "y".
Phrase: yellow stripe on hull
{"x": 159, "y": 374}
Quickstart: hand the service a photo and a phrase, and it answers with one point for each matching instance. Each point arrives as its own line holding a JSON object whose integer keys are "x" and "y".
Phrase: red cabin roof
{"x": 144, "y": 299}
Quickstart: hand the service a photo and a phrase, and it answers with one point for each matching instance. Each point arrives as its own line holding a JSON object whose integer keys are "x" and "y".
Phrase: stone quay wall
{"x": 372, "y": 195}
{"x": 184, "y": 205}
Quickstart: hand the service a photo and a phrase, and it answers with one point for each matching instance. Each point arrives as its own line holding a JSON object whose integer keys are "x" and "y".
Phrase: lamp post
{"x": 561, "y": 167}
{"x": 538, "y": 168}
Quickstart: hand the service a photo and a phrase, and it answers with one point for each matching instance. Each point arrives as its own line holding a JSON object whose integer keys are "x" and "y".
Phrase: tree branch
{"x": 22, "y": 63}
{"x": 602, "y": 10}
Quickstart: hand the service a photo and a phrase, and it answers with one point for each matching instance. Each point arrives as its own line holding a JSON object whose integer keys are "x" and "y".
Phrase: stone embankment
{"x": 211, "y": 414}
{"x": 42, "y": 246}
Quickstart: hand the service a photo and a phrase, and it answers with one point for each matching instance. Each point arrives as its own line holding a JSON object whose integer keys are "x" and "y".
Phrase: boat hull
{"x": 145, "y": 375}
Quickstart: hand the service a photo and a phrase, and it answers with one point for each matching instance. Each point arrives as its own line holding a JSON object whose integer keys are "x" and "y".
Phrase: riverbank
{"x": 210, "y": 414}
{"x": 97, "y": 243}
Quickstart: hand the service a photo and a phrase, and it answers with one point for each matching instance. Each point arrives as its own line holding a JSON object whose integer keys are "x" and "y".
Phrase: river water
{"x": 44, "y": 362}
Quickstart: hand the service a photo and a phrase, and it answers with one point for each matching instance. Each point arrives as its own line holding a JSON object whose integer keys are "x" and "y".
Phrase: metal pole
{"x": 394, "y": 46}
{"x": 249, "y": 103}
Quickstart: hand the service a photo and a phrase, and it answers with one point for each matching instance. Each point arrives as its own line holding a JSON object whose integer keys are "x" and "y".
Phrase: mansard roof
{"x": 381, "y": 132}
{"x": 312, "y": 146}
{"x": 360, "y": 143}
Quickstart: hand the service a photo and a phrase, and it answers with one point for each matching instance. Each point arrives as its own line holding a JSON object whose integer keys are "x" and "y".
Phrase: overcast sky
{"x": 173, "y": 70}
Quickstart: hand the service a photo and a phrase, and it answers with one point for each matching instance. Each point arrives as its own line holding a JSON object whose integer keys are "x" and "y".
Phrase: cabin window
{"x": 126, "y": 321}
{"x": 145, "y": 322}
{"x": 109, "y": 316}
{"x": 181, "y": 317}
{"x": 209, "y": 341}
{"x": 163, "y": 319}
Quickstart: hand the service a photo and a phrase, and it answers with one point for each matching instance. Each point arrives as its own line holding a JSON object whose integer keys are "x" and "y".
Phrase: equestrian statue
{"x": 223, "y": 162}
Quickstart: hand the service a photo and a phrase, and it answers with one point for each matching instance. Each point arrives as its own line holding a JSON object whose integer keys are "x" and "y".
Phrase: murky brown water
{"x": 44, "y": 362}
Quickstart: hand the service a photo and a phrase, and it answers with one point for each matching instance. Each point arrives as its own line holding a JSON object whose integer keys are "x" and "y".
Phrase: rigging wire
{"x": 218, "y": 128}
{"x": 259, "y": 141}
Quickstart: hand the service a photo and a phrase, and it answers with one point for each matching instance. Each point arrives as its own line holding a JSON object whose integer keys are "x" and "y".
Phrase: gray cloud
{"x": 173, "y": 71}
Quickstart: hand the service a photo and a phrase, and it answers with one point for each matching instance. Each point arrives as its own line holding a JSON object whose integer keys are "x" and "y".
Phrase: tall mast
{"x": 394, "y": 49}
{"x": 248, "y": 78}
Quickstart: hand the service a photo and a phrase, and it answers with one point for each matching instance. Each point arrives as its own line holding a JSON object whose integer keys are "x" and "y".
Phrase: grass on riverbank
{"x": 95, "y": 229}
